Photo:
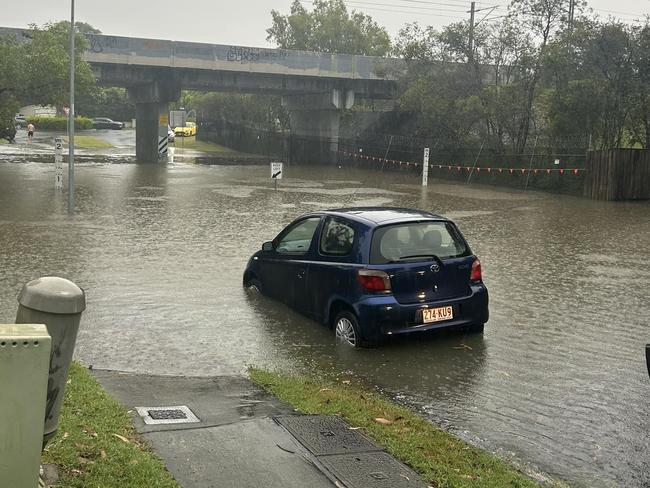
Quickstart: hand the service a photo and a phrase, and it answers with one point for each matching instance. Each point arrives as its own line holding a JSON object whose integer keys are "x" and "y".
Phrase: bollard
{"x": 57, "y": 303}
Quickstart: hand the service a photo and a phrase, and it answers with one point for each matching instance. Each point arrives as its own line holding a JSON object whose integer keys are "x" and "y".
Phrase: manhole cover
{"x": 166, "y": 415}
{"x": 325, "y": 435}
{"x": 371, "y": 470}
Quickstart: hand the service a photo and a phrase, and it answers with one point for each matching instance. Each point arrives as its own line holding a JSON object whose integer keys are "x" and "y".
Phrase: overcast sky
{"x": 244, "y": 22}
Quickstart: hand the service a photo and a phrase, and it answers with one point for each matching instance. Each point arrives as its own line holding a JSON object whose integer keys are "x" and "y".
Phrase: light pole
{"x": 71, "y": 116}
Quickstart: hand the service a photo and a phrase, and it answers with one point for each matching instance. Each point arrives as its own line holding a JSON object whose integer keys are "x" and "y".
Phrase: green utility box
{"x": 24, "y": 371}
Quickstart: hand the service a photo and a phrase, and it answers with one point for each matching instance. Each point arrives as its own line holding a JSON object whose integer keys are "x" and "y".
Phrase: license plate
{"x": 437, "y": 314}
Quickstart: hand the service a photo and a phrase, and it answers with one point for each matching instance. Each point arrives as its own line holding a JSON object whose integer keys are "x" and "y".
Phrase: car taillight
{"x": 373, "y": 280}
{"x": 476, "y": 271}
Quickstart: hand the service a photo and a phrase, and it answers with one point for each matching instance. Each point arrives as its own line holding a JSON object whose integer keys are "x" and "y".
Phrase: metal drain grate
{"x": 167, "y": 415}
{"x": 371, "y": 470}
{"x": 174, "y": 414}
{"x": 325, "y": 435}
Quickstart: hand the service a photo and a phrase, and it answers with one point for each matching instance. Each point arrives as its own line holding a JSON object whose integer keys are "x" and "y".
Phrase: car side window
{"x": 298, "y": 238}
{"x": 337, "y": 237}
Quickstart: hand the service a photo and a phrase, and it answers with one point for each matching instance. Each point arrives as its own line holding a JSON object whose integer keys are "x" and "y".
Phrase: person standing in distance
{"x": 30, "y": 131}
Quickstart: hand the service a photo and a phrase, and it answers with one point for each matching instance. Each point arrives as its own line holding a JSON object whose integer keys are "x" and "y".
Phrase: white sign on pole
{"x": 276, "y": 171}
{"x": 177, "y": 118}
{"x": 58, "y": 163}
{"x": 425, "y": 167}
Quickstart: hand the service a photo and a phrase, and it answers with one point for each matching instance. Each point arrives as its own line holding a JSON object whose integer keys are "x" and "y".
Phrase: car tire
{"x": 253, "y": 285}
{"x": 475, "y": 328}
{"x": 347, "y": 330}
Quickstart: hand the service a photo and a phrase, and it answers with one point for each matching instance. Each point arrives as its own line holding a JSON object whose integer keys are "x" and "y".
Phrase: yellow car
{"x": 187, "y": 131}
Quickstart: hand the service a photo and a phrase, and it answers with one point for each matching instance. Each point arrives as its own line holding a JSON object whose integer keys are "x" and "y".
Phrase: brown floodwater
{"x": 557, "y": 382}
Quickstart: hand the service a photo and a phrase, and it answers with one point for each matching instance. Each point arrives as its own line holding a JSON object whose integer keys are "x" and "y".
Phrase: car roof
{"x": 382, "y": 215}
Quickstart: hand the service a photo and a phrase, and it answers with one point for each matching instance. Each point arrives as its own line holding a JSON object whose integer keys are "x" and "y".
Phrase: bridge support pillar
{"x": 152, "y": 114}
{"x": 315, "y": 121}
{"x": 149, "y": 130}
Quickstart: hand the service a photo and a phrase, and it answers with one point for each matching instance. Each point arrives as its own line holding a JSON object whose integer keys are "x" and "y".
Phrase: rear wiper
{"x": 432, "y": 256}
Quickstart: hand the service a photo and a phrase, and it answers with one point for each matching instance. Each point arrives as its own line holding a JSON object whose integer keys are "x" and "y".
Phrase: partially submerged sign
{"x": 58, "y": 163}
{"x": 425, "y": 167}
{"x": 276, "y": 170}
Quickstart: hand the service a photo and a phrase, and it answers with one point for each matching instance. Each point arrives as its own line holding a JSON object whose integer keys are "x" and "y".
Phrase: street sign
{"x": 58, "y": 163}
{"x": 276, "y": 170}
{"x": 163, "y": 120}
{"x": 177, "y": 118}
{"x": 425, "y": 167}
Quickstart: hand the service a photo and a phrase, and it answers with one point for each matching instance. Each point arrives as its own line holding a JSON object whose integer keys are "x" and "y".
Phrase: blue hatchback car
{"x": 374, "y": 272}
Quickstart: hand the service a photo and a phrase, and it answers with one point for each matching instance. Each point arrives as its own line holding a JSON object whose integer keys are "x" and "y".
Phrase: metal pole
{"x": 470, "y": 57}
{"x": 475, "y": 162}
{"x": 71, "y": 116}
{"x": 530, "y": 166}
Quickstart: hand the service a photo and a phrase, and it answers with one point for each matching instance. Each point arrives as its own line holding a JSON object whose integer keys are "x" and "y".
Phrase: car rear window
{"x": 417, "y": 241}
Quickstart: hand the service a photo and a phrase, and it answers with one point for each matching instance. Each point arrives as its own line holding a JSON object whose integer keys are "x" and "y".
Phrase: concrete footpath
{"x": 225, "y": 432}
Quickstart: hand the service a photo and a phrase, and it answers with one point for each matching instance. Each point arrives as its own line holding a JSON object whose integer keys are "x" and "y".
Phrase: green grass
{"x": 203, "y": 146}
{"x": 87, "y": 448}
{"x": 441, "y": 459}
{"x": 3, "y": 141}
{"x": 90, "y": 142}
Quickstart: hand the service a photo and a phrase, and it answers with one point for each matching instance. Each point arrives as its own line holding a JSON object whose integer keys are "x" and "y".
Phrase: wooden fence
{"x": 618, "y": 174}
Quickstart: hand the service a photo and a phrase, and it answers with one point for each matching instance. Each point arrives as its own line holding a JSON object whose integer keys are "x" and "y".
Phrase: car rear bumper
{"x": 382, "y": 315}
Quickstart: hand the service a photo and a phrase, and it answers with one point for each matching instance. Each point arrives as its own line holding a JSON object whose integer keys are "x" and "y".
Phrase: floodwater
{"x": 557, "y": 382}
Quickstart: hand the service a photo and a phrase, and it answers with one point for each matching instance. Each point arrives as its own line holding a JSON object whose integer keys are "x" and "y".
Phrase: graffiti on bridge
{"x": 252, "y": 54}
{"x": 98, "y": 44}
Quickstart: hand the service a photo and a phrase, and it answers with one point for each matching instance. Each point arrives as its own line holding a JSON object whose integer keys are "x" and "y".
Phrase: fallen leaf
{"x": 85, "y": 460}
{"x": 383, "y": 421}
{"x": 66, "y": 435}
{"x": 346, "y": 382}
{"x": 103, "y": 454}
{"x": 354, "y": 428}
{"x": 325, "y": 389}
{"x": 122, "y": 438}
{"x": 405, "y": 477}
{"x": 90, "y": 431}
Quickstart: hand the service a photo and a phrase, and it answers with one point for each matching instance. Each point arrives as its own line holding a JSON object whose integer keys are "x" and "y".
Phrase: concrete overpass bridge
{"x": 315, "y": 87}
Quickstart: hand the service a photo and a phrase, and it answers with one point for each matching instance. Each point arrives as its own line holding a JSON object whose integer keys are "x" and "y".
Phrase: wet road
{"x": 557, "y": 382}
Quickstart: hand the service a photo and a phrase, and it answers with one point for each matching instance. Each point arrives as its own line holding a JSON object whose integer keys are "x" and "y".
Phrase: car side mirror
{"x": 267, "y": 246}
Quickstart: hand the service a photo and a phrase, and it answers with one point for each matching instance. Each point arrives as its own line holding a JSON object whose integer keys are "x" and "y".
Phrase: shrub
{"x": 59, "y": 123}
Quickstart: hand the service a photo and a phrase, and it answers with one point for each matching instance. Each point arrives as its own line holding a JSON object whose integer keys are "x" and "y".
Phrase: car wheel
{"x": 253, "y": 285}
{"x": 476, "y": 328}
{"x": 347, "y": 330}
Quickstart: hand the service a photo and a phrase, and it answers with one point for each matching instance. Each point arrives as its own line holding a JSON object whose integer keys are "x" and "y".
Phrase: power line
{"x": 405, "y": 6}
{"x": 458, "y": 3}
{"x": 410, "y": 12}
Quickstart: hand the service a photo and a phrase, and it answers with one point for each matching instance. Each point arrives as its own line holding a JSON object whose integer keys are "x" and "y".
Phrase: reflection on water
{"x": 557, "y": 380}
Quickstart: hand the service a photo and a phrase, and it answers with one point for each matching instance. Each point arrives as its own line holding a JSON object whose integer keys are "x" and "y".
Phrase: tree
{"x": 328, "y": 28}
{"x": 106, "y": 102}
{"x": 46, "y": 61}
{"x": 10, "y": 79}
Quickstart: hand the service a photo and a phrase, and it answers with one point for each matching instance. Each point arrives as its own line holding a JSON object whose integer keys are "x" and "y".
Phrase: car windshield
{"x": 418, "y": 241}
